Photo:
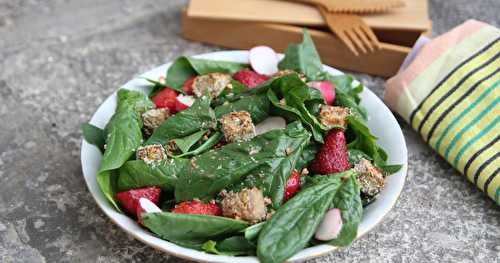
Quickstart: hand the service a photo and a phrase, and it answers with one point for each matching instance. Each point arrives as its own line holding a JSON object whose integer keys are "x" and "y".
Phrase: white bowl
{"x": 381, "y": 122}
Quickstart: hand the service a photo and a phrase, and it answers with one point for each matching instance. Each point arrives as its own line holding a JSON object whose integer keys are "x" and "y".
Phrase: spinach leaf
{"x": 123, "y": 137}
{"x": 391, "y": 169}
{"x": 355, "y": 156}
{"x": 346, "y": 95}
{"x": 138, "y": 174}
{"x": 292, "y": 226}
{"x": 207, "y": 145}
{"x": 252, "y": 232}
{"x": 257, "y": 105}
{"x": 185, "y": 68}
{"x": 307, "y": 155}
{"x": 187, "y": 142}
{"x": 158, "y": 86}
{"x": 348, "y": 200}
{"x": 232, "y": 246}
{"x": 94, "y": 135}
{"x": 269, "y": 158}
{"x": 192, "y": 228}
{"x": 364, "y": 140}
{"x": 303, "y": 58}
{"x": 237, "y": 245}
{"x": 198, "y": 116}
{"x": 295, "y": 94}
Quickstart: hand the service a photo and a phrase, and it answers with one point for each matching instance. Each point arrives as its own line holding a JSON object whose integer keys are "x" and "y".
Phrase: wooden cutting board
{"x": 412, "y": 17}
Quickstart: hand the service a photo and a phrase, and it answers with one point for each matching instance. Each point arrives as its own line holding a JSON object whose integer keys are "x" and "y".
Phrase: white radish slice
{"x": 148, "y": 206}
{"x": 271, "y": 123}
{"x": 330, "y": 226}
{"x": 326, "y": 88}
{"x": 263, "y": 60}
{"x": 183, "y": 102}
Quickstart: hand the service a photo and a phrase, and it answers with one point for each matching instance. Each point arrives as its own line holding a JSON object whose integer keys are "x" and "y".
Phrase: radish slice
{"x": 146, "y": 206}
{"x": 183, "y": 102}
{"x": 263, "y": 60}
{"x": 271, "y": 123}
{"x": 330, "y": 226}
{"x": 326, "y": 88}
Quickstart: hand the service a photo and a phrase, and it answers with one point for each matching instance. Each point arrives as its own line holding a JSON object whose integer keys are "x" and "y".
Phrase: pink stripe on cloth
{"x": 395, "y": 86}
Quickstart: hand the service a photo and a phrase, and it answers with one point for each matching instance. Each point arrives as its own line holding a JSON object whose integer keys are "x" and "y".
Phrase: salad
{"x": 265, "y": 158}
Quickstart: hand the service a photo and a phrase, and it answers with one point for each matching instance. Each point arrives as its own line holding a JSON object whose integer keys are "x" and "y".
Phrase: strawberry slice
{"x": 146, "y": 206}
{"x": 292, "y": 185}
{"x": 166, "y": 99}
{"x": 198, "y": 208}
{"x": 333, "y": 156}
{"x": 188, "y": 86}
{"x": 250, "y": 78}
{"x": 129, "y": 200}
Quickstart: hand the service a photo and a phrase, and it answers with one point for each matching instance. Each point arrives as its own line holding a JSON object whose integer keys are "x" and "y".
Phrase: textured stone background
{"x": 60, "y": 59}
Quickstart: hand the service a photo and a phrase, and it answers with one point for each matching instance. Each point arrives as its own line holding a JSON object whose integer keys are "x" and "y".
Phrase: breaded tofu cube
{"x": 247, "y": 205}
{"x": 213, "y": 83}
{"x": 237, "y": 126}
{"x": 333, "y": 116}
{"x": 152, "y": 119}
{"x": 371, "y": 180}
{"x": 151, "y": 153}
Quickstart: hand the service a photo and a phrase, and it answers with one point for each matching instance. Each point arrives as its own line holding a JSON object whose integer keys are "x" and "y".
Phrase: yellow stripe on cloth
{"x": 460, "y": 80}
{"x": 479, "y": 160}
{"x": 447, "y": 114}
{"x": 439, "y": 103}
{"x": 422, "y": 85}
{"x": 494, "y": 186}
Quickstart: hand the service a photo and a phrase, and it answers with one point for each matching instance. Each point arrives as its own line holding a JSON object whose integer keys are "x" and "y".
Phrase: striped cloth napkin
{"x": 448, "y": 90}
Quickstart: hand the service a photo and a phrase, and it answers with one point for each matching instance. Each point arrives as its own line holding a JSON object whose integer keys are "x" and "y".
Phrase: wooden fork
{"x": 352, "y": 30}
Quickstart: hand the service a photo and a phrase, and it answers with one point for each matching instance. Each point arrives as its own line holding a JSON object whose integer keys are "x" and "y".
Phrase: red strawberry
{"x": 250, "y": 78}
{"x": 197, "y": 207}
{"x": 292, "y": 185}
{"x": 166, "y": 99}
{"x": 188, "y": 86}
{"x": 129, "y": 200}
{"x": 332, "y": 157}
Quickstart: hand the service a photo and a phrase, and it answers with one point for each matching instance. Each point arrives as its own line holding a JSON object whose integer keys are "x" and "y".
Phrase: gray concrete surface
{"x": 60, "y": 59}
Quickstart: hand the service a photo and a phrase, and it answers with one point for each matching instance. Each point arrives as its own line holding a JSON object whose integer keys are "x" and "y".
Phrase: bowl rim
{"x": 199, "y": 256}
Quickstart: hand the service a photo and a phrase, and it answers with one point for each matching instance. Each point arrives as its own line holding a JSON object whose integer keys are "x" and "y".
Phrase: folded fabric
{"x": 448, "y": 90}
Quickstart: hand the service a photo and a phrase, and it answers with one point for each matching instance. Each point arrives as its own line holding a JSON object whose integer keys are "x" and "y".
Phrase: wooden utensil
{"x": 356, "y": 6}
{"x": 352, "y": 30}
{"x": 413, "y": 17}
{"x": 382, "y": 62}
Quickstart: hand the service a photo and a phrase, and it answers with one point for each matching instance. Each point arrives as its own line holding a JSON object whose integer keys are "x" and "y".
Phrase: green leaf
{"x": 303, "y": 58}
{"x": 348, "y": 200}
{"x": 123, "y": 137}
{"x": 138, "y": 174}
{"x": 257, "y": 105}
{"x": 185, "y": 68}
{"x": 197, "y": 117}
{"x": 346, "y": 95}
{"x": 187, "y": 142}
{"x": 264, "y": 158}
{"x": 391, "y": 169}
{"x": 207, "y": 145}
{"x": 232, "y": 246}
{"x": 307, "y": 155}
{"x": 252, "y": 232}
{"x": 158, "y": 86}
{"x": 192, "y": 228}
{"x": 94, "y": 135}
{"x": 292, "y": 226}
{"x": 356, "y": 155}
{"x": 296, "y": 94}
